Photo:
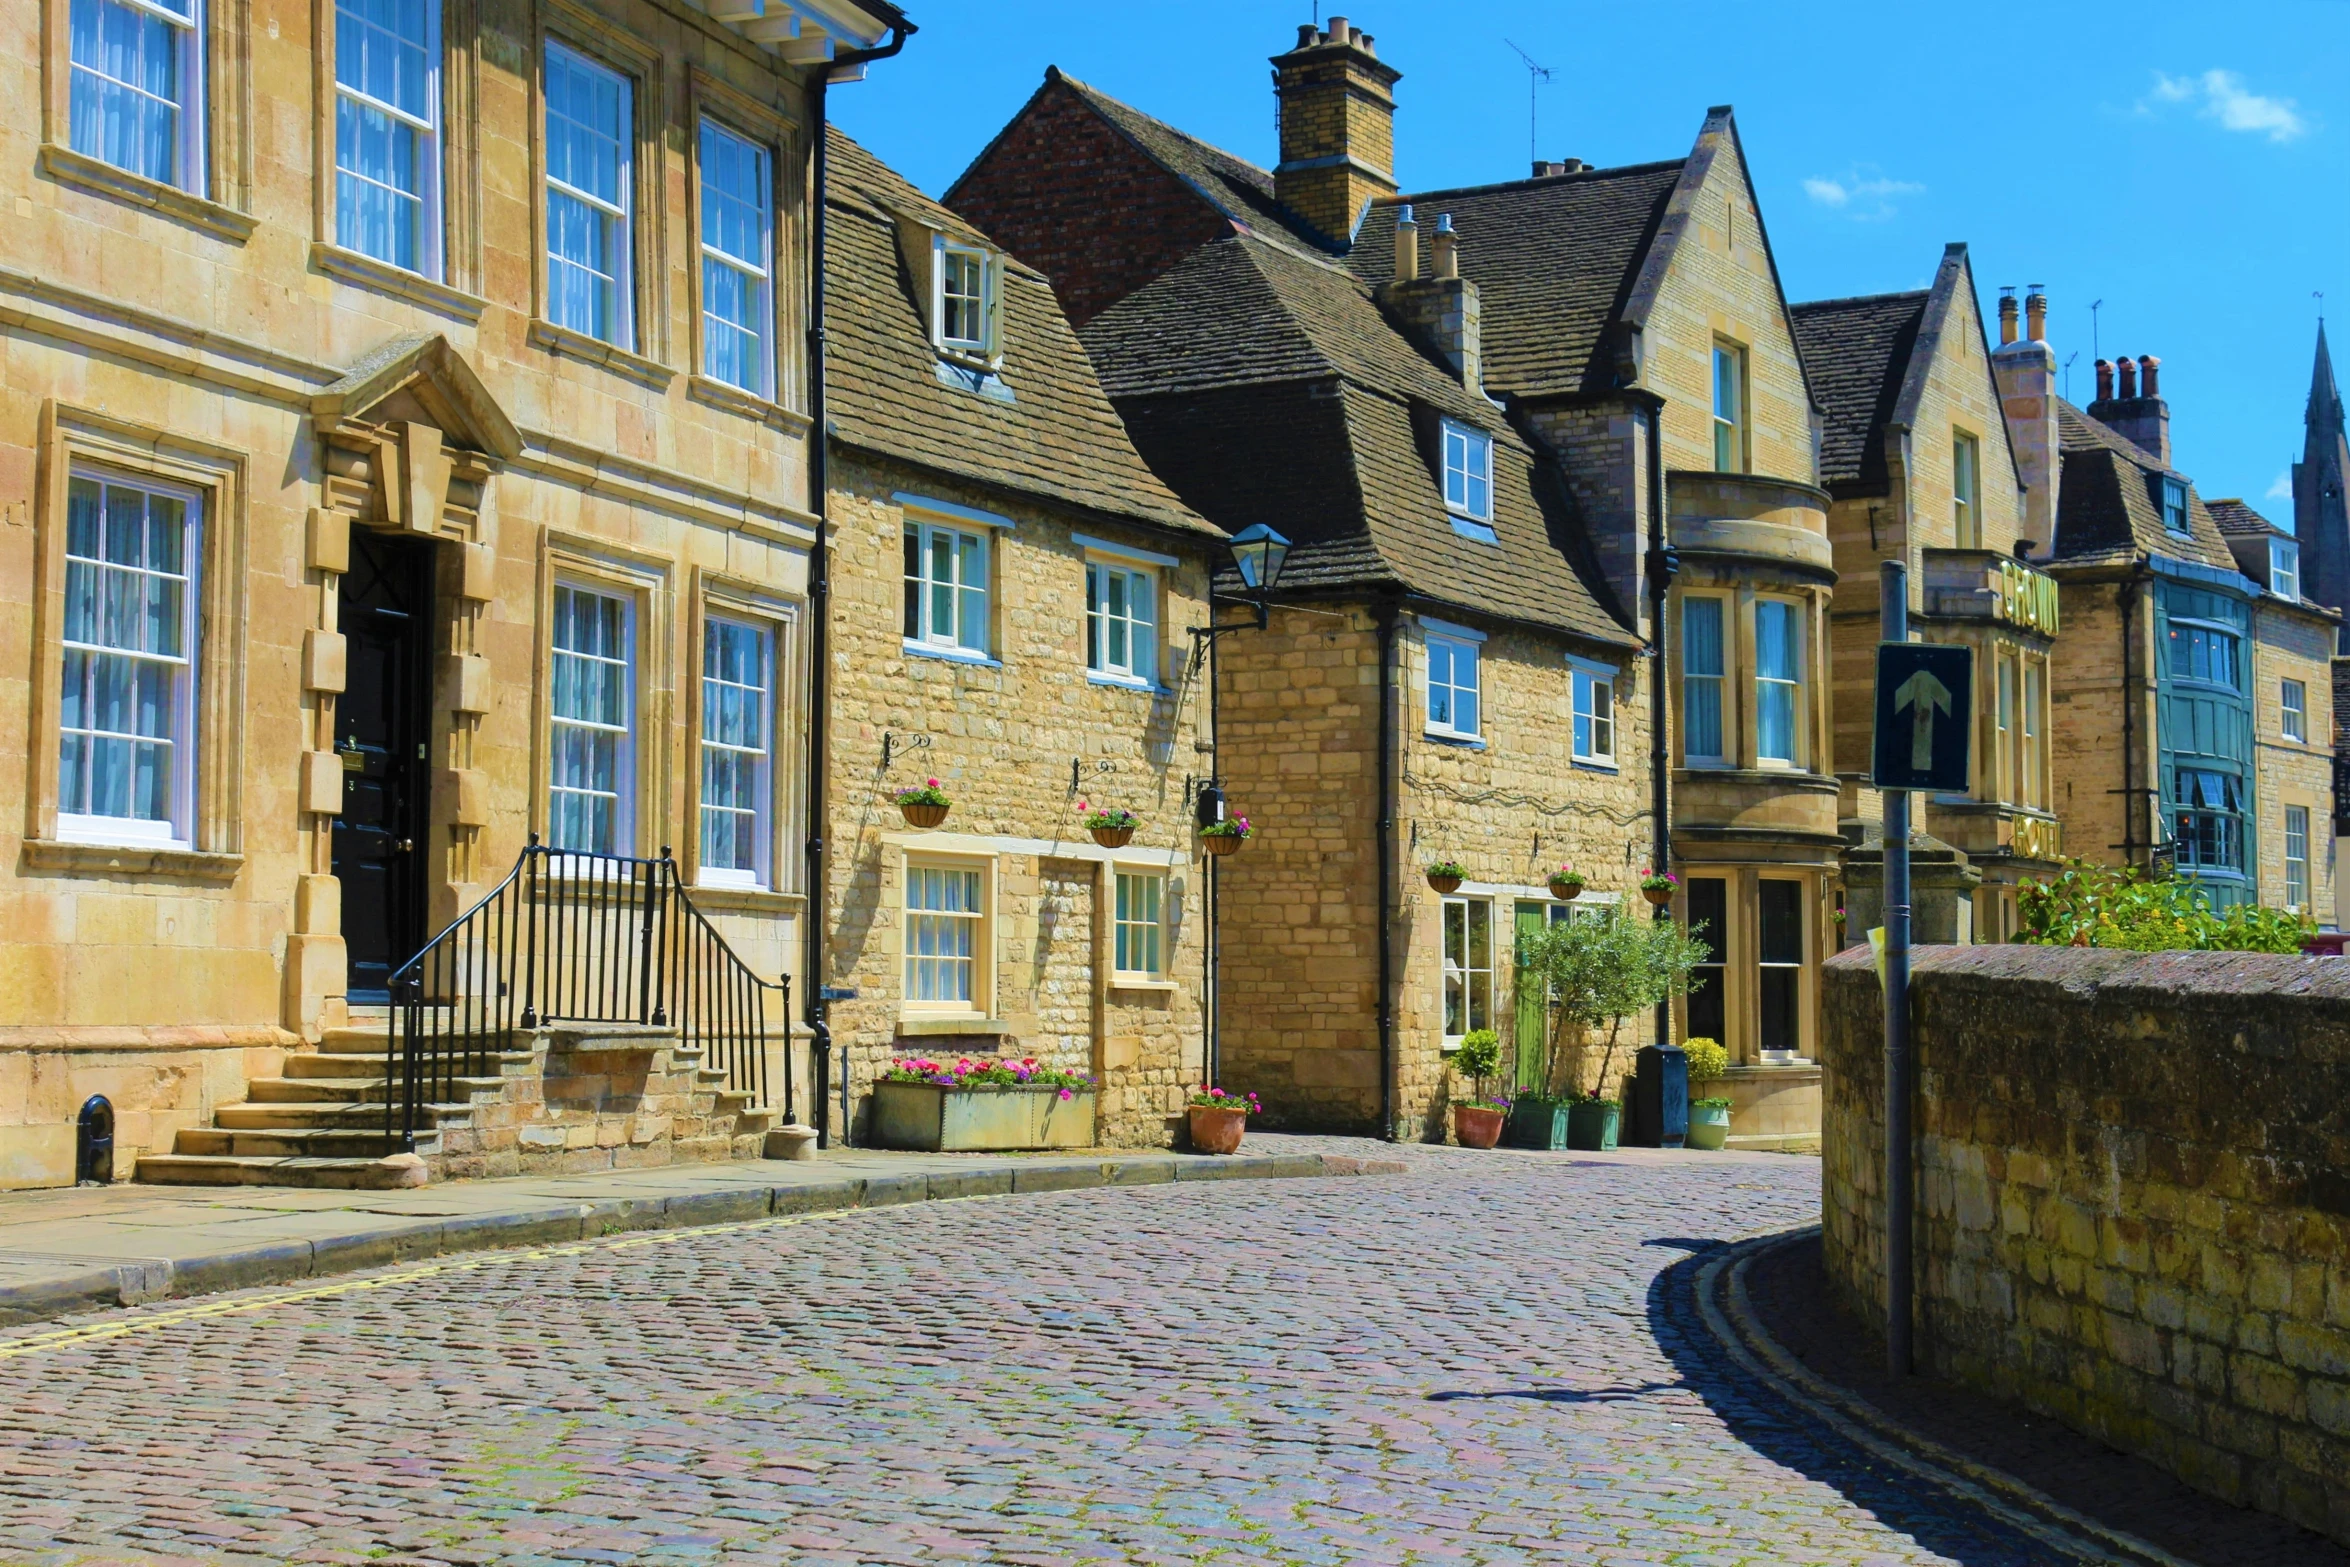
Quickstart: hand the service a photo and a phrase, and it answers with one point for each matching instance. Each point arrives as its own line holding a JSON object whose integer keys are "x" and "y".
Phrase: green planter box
{"x": 984, "y": 1118}
{"x": 1536, "y": 1123}
{"x": 1593, "y": 1126}
{"x": 1709, "y": 1127}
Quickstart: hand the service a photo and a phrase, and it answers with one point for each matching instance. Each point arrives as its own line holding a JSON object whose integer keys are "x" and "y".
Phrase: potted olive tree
{"x": 1709, "y": 1114}
{"x": 1601, "y": 972}
{"x": 1477, "y": 1120}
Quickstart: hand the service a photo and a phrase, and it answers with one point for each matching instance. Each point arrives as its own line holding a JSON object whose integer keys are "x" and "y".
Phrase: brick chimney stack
{"x": 1442, "y": 313}
{"x": 1337, "y": 127}
{"x": 2134, "y": 409}
{"x": 2025, "y": 370}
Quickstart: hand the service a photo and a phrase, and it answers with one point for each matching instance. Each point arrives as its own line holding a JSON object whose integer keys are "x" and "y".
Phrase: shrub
{"x": 1708, "y": 1059}
{"x": 1602, "y": 970}
{"x": 2098, "y": 906}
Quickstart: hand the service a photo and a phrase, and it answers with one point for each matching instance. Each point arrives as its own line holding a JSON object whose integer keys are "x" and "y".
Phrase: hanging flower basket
{"x": 1226, "y": 836}
{"x": 1658, "y": 887}
{"x": 1112, "y": 829}
{"x": 1447, "y": 875}
{"x": 925, "y": 805}
{"x": 1566, "y": 884}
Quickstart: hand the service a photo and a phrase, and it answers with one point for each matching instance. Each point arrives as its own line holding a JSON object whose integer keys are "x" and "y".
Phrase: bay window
{"x": 2208, "y": 832}
{"x": 1778, "y": 683}
{"x": 1703, "y": 670}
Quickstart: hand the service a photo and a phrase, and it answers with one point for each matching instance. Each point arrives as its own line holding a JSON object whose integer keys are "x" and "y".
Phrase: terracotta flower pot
{"x": 1444, "y": 883}
{"x": 921, "y": 815}
{"x": 1477, "y": 1126}
{"x": 1216, "y": 1131}
{"x": 1221, "y": 842}
{"x": 1566, "y": 888}
{"x": 1113, "y": 837}
{"x": 1660, "y": 896}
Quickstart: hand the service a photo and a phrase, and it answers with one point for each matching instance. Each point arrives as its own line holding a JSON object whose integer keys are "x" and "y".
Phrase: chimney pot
{"x": 1407, "y": 245}
{"x": 2036, "y": 312}
{"x": 1308, "y": 35}
{"x": 2105, "y": 380}
{"x": 1448, "y": 248}
{"x": 1364, "y": 40}
{"x": 2006, "y": 316}
{"x": 2129, "y": 377}
{"x": 1338, "y": 30}
{"x": 2151, "y": 368}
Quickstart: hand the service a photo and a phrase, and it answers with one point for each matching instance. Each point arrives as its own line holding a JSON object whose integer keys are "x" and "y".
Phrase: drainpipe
{"x": 1389, "y": 877}
{"x": 1212, "y": 1044}
{"x": 820, "y": 600}
{"x": 2126, "y": 600}
{"x": 1660, "y": 751}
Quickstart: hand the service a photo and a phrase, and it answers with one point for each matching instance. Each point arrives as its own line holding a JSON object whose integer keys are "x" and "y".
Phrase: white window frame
{"x": 1468, "y": 475}
{"x": 2167, "y": 488}
{"x": 972, "y": 634}
{"x": 1718, "y": 679}
{"x": 2007, "y": 752}
{"x": 1794, "y": 684}
{"x": 1140, "y": 665}
{"x": 2293, "y": 710}
{"x": 944, "y": 253}
{"x": 757, "y": 273}
{"x": 193, "y": 128}
{"x": 177, "y": 829}
{"x": 760, "y": 700}
{"x": 1729, "y": 413}
{"x": 427, "y": 261}
{"x": 2284, "y": 568}
{"x": 2035, "y": 697}
{"x": 979, "y": 922}
{"x": 622, "y": 215}
{"x": 1138, "y": 931}
{"x": 1966, "y": 485}
{"x": 623, "y": 666}
{"x": 1458, "y": 971}
{"x": 1456, "y": 643}
{"x": 1594, "y": 717}
{"x": 2297, "y": 865}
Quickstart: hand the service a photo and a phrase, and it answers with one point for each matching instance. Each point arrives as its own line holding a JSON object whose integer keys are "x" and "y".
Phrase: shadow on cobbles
{"x": 1789, "y": 1436}
{"x": 1559, "y": 1395}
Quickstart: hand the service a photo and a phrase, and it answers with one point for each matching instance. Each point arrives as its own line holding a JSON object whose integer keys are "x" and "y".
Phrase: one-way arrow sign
{"x": 1925, "y": 713}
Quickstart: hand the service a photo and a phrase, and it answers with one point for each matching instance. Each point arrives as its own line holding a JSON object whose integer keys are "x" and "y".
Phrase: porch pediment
{"x": 420, "y": 379}
{"x": 412, "y": 438}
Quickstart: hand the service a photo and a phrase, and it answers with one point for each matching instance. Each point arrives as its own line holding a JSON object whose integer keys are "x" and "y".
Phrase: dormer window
{"x": 2284, "y": 568}
{"x": 1468, "y": 475}
{"x": 2174, "y": 507}
{"x": 964, "y": 306}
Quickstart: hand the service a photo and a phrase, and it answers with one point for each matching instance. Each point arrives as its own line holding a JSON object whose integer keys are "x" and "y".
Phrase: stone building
{"x": 382, "y": 384}
{"x": 2191, "y": 688}
{"x": 1013, "y": 597}
{"x": 1446, "y": 674}
{"x": 2321, "y": 532}
{"x": 1638, "y": 334}
{"x": 1917, "y": 454}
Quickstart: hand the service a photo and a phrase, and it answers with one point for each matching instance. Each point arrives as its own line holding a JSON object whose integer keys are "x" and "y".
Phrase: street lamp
{"x": 1257, "y": 553}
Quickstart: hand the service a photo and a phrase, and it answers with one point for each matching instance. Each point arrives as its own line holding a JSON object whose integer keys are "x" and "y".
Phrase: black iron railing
{"x": 575, "y": 938}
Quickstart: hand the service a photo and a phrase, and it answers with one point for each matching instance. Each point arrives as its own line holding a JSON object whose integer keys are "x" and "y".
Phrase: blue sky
{"x": 2184, "y": 163}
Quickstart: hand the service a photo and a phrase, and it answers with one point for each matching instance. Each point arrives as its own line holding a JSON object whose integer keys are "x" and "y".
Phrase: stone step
{"x": 351, "y": 1115}
{"x": 313, "y": 1090}
{"x": 181, "y": 1169}
{"x": 330, "y": 1143}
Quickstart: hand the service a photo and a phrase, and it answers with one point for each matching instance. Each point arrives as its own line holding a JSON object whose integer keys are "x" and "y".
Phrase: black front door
{"x": 381, "y": 735}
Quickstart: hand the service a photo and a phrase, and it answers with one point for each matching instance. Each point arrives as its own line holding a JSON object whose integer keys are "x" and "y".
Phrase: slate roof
{"x": 1234, "y": 186}
{"x": 2106, "y": 508}
{"x": 2236, "y": 518}
{"x": 1251, "y": 371}
{"x": 1858, "y": 351}
{"x": 1059, "y": 438}
{"x": 1555, "y": 261}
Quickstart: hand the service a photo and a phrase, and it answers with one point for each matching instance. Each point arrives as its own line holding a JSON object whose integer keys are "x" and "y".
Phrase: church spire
{"x": 2324, "y": 415}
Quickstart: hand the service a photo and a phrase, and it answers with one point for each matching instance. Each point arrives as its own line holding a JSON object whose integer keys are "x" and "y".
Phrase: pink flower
{"x": 930, "y": 783}
{"x": 1066, "y": 1094}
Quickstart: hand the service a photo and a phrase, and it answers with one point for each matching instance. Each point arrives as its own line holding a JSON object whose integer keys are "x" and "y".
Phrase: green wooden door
{"x": 1531, "y": 1010}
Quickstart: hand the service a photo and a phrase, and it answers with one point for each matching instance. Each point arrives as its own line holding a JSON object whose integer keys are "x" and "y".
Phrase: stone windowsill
{"x": 142, "y": 859}
{"x": 926, "y": 1024}
{"x": 595, "y": 351}
{"x": 383, "y": 278}
{"x": 729, "y": 398}
{"x": 84, "y": 172}
{"x": 749, "y": 900}
{"x": 1165, "y": 987}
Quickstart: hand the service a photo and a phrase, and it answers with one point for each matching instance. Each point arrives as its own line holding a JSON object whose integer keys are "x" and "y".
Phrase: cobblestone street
{"x": 1487, "y": 1360}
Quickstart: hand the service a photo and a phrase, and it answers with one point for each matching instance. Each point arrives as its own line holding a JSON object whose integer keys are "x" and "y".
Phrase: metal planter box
{"x": 985, "y": 1118}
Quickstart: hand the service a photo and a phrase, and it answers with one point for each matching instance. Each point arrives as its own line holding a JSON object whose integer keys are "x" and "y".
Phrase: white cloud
{"x": 1863, "y": 195}
{"x": 2222, "y": 96}
{"x": 2282, "y": 490}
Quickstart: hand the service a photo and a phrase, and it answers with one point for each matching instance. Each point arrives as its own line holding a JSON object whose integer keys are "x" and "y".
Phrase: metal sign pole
{"x": 1893, "y": 582}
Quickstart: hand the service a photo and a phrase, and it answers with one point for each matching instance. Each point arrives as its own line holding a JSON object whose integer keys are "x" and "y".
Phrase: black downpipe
{"x": 1213, "y": 1066}
{"x": 820, "y": 598}
{"x": 2126, "y": 599}
{"x": 1660, "y": 751}
{"x": 1388, "y": 873}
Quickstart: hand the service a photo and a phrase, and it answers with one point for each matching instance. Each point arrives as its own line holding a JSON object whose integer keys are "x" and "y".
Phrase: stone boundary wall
{"x": 2134, "y": 1187}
